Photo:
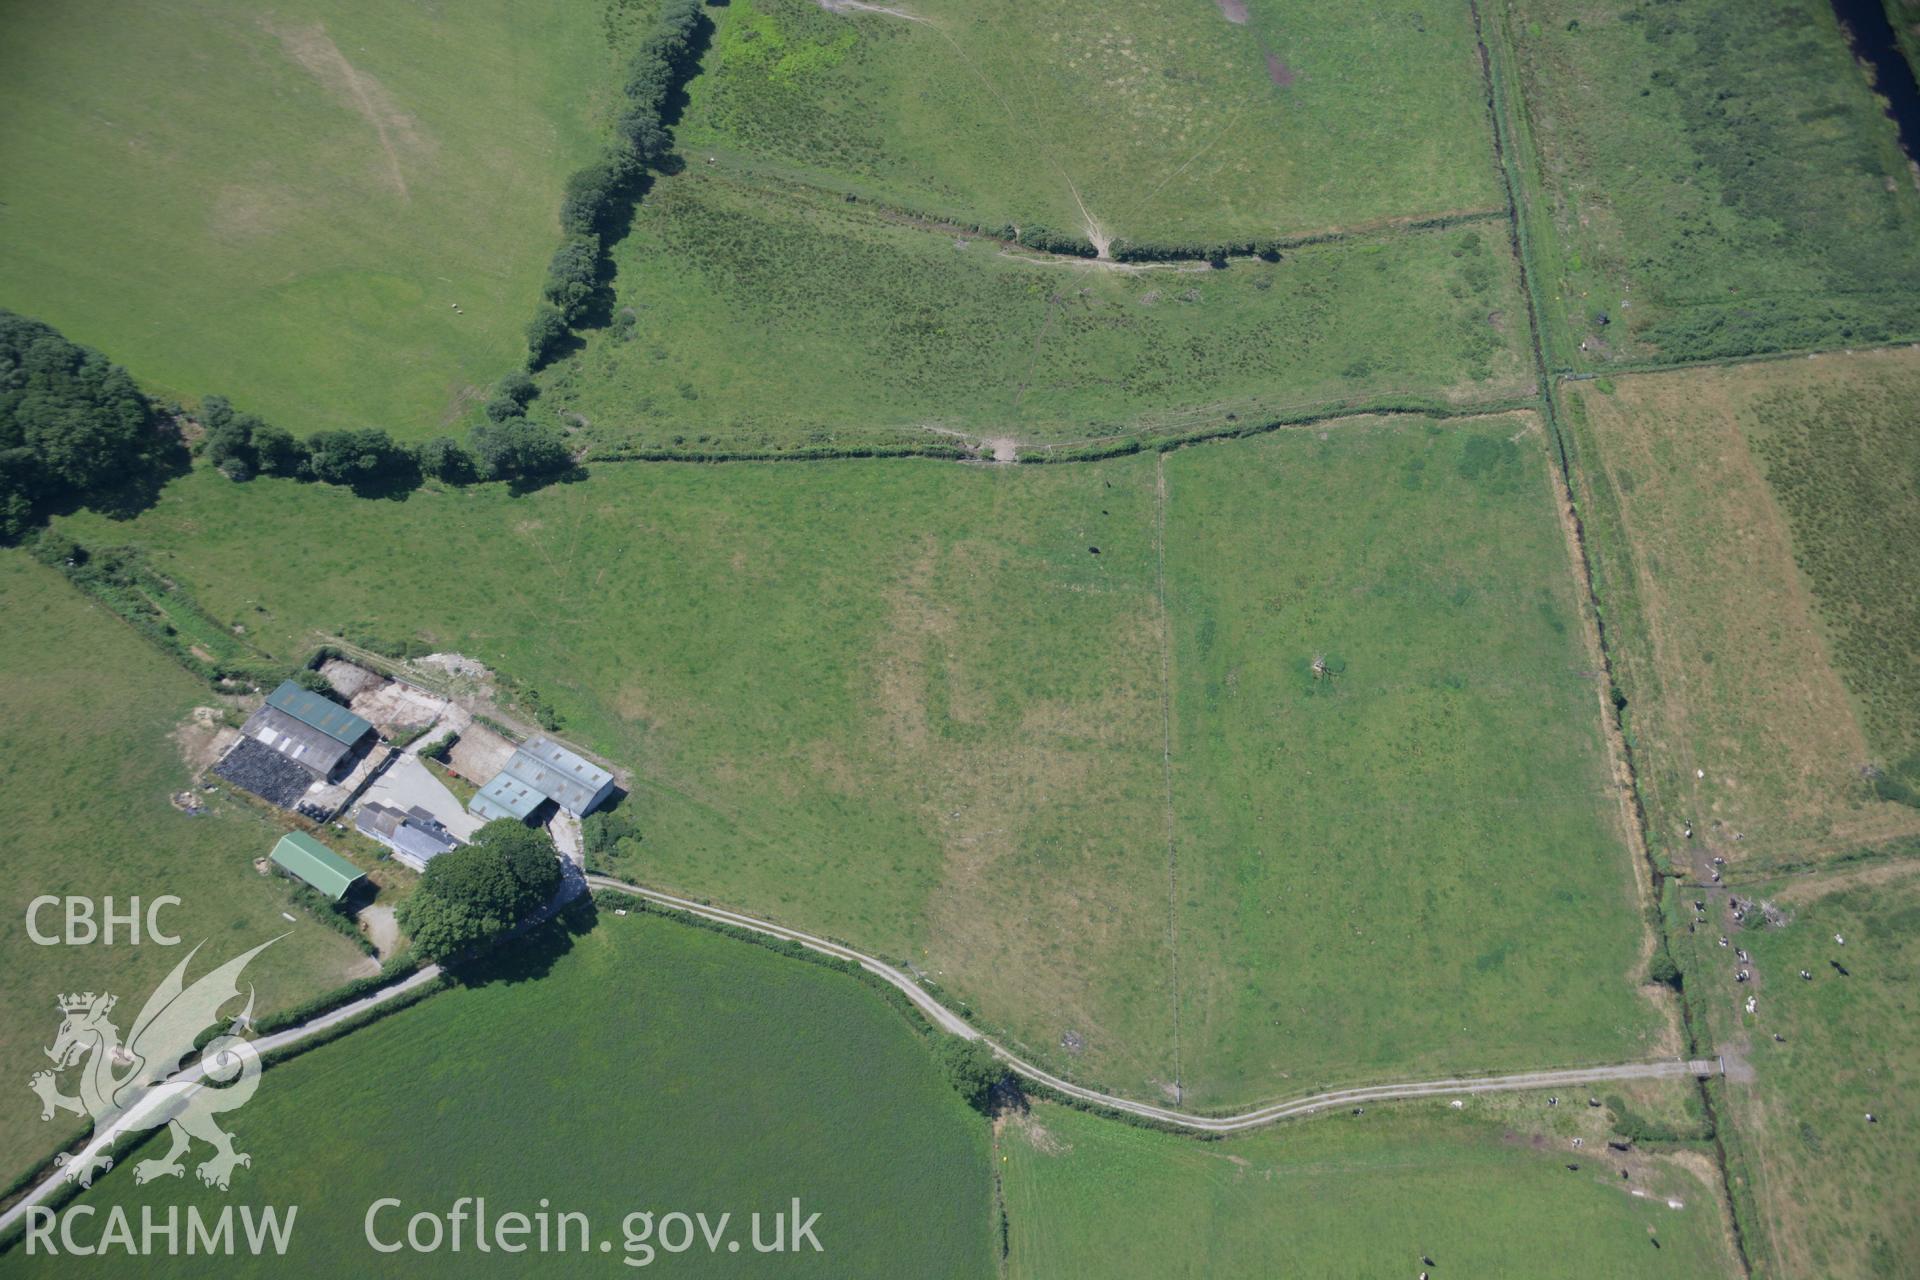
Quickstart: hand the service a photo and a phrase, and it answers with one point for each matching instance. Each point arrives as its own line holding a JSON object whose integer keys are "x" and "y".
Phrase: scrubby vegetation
{"x": 1714, "y": 179}
{"x": 123, "y": 579}
{"x": 766, "y": 319}
{"x": 610, "y": 836}
{"x": 1844, "y": 456}
{"x": 1125, "y": 118}
{"x": 1694, "y": 1126}
{"x": 1748, "y": 528}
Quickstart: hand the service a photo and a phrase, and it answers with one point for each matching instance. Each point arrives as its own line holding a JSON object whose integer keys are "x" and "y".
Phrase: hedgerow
{"x": 598, "y": 197}
{"x": 393, "y": 970}
{"x": 122, "y": 579}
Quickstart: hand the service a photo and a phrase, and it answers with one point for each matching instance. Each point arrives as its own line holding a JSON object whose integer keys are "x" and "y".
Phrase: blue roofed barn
{"x": 538, "y": 771}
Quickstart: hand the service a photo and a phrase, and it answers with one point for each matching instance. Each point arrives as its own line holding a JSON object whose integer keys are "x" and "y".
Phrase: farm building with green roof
{"x": 299, "y": 725}
{"x": 312, "y": 863}
{"x": 319, "y": 712}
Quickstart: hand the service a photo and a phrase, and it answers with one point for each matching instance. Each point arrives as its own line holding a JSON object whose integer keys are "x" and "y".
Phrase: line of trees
{"x": 598, "y": 199}
{"x": 1215, "y": 251}
{"x": 1047, "y": 240}
{"x": 76, "y": 431}
{"x": 507, "y": 446}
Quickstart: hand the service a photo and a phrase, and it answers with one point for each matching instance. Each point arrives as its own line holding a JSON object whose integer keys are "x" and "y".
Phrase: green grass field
{"x": 282, "y": 207}
{"x": 1753, "y": 532}
{"x": 907, "y": 703}
{"x": 1833, "y": 1194}
{"x": 1340, "y": 839}
{"x": 1484, "y": 1192}
{"x": 1713, "y": 179}
{"x": 89, "y": 710}
{"x": 647, "y": 1067}
{"x": 1126, "y": 119}
{"x": 768, "y": 318}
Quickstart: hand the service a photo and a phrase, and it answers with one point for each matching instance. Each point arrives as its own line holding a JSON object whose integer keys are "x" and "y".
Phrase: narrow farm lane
{"x": 951, "y": 1022}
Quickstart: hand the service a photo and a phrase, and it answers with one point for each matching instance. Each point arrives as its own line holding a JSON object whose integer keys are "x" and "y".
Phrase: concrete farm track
{"x": 947, "y": 1020}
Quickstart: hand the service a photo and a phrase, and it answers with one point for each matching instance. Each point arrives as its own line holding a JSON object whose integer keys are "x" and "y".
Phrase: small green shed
{"x": 312, "y": 863}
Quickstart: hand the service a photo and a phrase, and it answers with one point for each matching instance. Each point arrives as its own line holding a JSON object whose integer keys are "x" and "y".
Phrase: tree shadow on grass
{"x": 521, "y": 486}
{"x": 530, "y": 956}
{"x": 137, "y": 492}
{"x": 613, "y": 229}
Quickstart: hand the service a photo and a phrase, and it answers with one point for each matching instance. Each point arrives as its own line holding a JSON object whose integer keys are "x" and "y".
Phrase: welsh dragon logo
{"x": 139, "y": 1085}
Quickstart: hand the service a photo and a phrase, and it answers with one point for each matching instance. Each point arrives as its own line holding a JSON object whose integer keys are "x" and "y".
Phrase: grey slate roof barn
{"x": 415, "y": 836}
{"x": 313, "y": 732}
{"x": 316, "y": 752}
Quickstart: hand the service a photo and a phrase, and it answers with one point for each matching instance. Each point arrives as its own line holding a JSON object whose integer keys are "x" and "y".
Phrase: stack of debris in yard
{"x": 255, "y": 767}
{"x": 393, "y": 706}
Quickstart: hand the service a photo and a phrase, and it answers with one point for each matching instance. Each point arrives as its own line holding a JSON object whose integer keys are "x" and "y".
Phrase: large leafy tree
{"x": 971, "y": 1069}
{"x": 528, "y": 855}
{"x": 517, "y": 447}
{"x": 471, "y": 896}
{"x": 72, "y": 424}
{"x": 572, "y": 277}
{"x": 356, "y": 457}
